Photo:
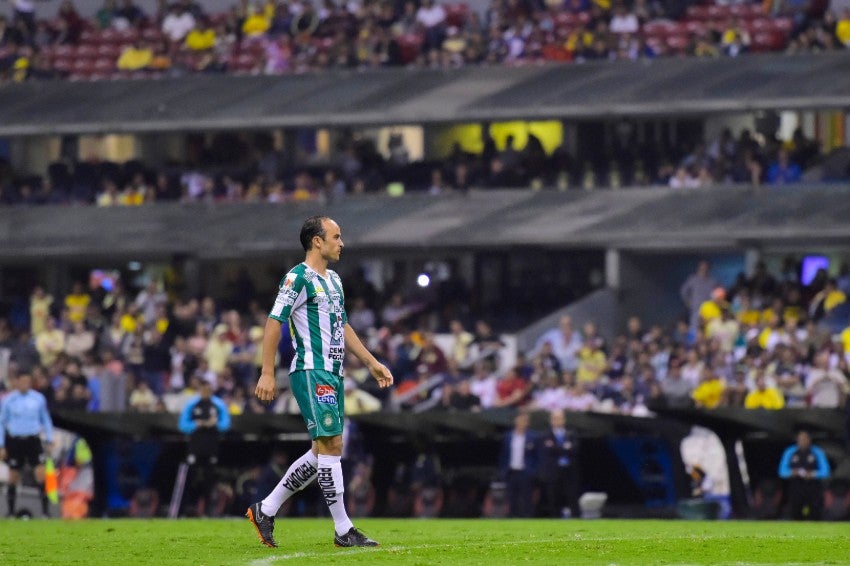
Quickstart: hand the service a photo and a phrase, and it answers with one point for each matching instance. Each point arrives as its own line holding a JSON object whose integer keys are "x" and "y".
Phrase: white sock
{"x": 299, "y": 475}
{"x": 332, "y": 486}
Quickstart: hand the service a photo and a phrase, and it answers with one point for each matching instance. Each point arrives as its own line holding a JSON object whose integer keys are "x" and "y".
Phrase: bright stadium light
{"x": 423, "y": 280}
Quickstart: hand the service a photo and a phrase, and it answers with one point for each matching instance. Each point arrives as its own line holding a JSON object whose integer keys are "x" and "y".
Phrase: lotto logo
{"x": 325, "y": 394}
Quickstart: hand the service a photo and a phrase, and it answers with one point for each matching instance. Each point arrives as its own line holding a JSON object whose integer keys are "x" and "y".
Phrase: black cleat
{"x": 263, "y": 523}
{"x": 354, "y": 538}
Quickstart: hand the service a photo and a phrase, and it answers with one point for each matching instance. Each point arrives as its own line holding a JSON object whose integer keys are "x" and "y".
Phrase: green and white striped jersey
{"x": 314, "y": 306}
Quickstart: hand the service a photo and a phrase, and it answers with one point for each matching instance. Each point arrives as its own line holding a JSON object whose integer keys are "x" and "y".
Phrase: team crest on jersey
{"x": 326, "y": 394}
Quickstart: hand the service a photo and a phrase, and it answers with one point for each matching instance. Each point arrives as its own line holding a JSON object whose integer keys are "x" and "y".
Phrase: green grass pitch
{"x": 424, "y": 542}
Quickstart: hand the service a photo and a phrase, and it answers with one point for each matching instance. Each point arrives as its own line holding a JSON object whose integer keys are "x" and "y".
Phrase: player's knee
{"x": 330, "y": 445}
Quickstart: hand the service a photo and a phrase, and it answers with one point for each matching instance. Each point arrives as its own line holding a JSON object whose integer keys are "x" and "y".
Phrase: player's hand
{"x": 382, "y": 375}
{"x": 266, "y": 389}
{"x": 48, "y": 447}
{"x": 2, "y": 454}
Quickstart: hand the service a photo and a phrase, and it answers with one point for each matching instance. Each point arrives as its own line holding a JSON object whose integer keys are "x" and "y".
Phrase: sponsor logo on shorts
{"x": 326, "y": 394}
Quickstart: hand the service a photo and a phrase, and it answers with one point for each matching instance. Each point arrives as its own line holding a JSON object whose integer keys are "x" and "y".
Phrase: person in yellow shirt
{"x": 764, "y": 397}
{"x": 842, "y": 28}
{"x": 256, "y": 24}
{"x": 135, "y": 57}
{"x": 202, "y": 38}
{"x": 712, "y": 308}
{"x": 78, "y": 303}
{"x": 218, "y": 350}
{"x": 591, "y": 363}
{"x": 50, "y": 343}
{"x": 709, "y": 393}
{"x": 40, "y": 303}
{"x": 826, "y": 300}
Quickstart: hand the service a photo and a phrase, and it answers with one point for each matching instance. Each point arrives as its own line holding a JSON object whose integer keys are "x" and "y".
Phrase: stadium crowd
{"x": 232, "y": 168}
{"x": 758, "y": 344}
{"x": 123, "y": 40}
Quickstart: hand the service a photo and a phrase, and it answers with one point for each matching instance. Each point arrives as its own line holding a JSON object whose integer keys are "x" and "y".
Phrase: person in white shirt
{"x": 622, "y": 21}
{"x": 177, "y": 24}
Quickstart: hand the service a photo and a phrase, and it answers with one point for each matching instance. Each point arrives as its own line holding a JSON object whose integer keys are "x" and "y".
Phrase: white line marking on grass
{"x": 576, "y": 537}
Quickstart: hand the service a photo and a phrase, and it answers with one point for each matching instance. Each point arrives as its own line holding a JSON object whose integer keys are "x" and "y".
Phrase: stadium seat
{"x": 662, "y": 28}
{"x": 718, "y": 12}
{"x": 109, "y": 51}
{"x": 125, "y": 36}
{"x": 699, "y": 13}
{"x": 678, "y": 44}
{"x": 153, "y": 35}
{"x": 63, "y": 52}
{"x": 85, "y": 52}
{"x": 104, "y": 65}
{"x": 767, "y": 41}
{"x": 109, "y": 36}
{"x": 694, "y": 27}
{"x": 63, "y": 64}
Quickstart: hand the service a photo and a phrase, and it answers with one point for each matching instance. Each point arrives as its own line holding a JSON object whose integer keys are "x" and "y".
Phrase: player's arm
{"x": 378, "y": 370}
{"x": 292, "y": 293}
{"x": 271, "y": 338}
{"x": 4, "y": 418}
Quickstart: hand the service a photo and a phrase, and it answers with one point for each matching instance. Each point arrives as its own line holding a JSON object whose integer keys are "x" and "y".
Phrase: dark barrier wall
{"x": 635, "y": 460}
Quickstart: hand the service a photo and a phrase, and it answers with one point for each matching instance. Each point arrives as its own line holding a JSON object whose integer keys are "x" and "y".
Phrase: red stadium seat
{"x": 567, "y": 19}
{"x": 89, "y": 36}
{"x": 696, "y": 28}
{"x": 783, "y": 25}
{"x": 699, "y": 13}
{"x": 719, "y": 12}
{"x": 63, "y": 51}
{"x": 153, "y": 35}
{"x": 768, "y": 41}
{"x": 109, "y": 50}
{"x": 83, "y": 67}
{"x": 663, "y": 28}
{"x": 678, "y": 44}
{"x": 104, "y": 65}
{"x": 85, "y": 52}
{"x": 127, "y": 36}
{"x": 109, "y": 36}
{"x": 63, "y": 64}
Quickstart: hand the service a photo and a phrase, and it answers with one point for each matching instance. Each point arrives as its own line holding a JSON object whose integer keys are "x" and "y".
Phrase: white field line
{"x": 577, "y": 537}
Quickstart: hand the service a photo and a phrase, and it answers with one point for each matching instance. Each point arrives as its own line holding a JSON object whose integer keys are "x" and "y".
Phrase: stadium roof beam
{"x": 661, "y": 87}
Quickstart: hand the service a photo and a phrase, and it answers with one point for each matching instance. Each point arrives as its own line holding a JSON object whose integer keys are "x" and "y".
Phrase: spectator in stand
{"x": 103, "y": 17}
{"x": 431, "y": 16}
{"x": 783, "y": 171}
{"x": 696, "y": 290}
{"x": 709, "y": 393}
{"x": 805, "y": 468}
{"x": 676, "y": 389}
{"x": 623, "y": 21}
{"x": 136, "y": 57}
{"x": 50, "y": 343}
{"x": 178, "y": 23}
{"x": 130, "y": 13}
{"x": 763, "y": 397}
{"x": 826, "y": 386}
{"x": 565, "y": 342}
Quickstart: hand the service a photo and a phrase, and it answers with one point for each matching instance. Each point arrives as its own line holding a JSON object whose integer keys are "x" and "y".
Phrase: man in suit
{"x": 518, "y": 463}
{"x": 559, "y": 468}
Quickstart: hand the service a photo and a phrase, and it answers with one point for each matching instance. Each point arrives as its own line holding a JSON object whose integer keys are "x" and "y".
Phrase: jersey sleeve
{"x": 291, "y": 295}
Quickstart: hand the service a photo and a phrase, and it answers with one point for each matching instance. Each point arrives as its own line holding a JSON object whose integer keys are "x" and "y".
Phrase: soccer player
{"x": 23, "y": 417}
{"x": 312, "y": 301}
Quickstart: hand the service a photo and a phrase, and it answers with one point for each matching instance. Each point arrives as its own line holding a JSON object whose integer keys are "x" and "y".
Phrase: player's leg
{"x": 300, "y": 474}
{"x": 328, "y": 407}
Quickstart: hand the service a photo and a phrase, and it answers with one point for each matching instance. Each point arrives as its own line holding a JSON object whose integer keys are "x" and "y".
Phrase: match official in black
{"x": 204, "y": 419}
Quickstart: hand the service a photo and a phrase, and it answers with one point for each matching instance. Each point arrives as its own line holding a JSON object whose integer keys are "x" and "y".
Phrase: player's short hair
{"x": 311, "y": 228}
